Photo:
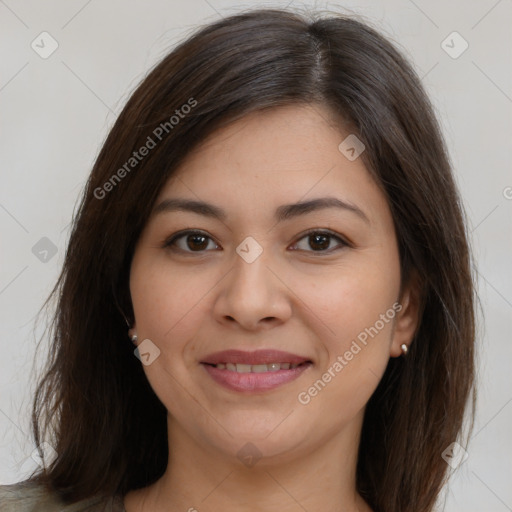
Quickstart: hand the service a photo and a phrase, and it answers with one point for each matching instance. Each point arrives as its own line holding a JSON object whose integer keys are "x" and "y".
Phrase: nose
{"x": 253, "y": 294}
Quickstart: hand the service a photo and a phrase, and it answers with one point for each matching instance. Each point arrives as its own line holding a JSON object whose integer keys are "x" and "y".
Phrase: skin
{"x": 306, "y": 301}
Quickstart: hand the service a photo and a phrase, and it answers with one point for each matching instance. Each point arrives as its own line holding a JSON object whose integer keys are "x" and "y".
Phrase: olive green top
{"x": 29, "y": 497}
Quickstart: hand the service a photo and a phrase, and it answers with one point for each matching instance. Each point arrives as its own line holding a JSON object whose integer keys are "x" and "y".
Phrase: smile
{"x": 256, "y": 368}
{"x": 254, "y": 378}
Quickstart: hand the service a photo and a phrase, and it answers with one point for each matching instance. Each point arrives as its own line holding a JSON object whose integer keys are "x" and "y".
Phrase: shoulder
{"x": 30, "y": 497}
{"x": 25, "y": 497}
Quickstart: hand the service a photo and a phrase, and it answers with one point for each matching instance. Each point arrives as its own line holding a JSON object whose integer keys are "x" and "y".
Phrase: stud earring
{"x": 405, "y": 349}
{"x": 133, "y": 337}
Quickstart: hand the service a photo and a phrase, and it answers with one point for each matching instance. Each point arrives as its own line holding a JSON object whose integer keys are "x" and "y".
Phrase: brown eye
{"x": 194, "y": 242}
{"x": 320, "y": 241}
{"x": 190, "y": 241}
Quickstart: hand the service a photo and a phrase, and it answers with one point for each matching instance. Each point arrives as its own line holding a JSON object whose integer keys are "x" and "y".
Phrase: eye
{"x": 321, "y": 241}
{"x": 194, "y": 241}
{"x": 197, "y": 241}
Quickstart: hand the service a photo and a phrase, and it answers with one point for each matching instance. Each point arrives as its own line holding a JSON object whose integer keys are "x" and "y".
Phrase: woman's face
{"x": 254, "y": 279}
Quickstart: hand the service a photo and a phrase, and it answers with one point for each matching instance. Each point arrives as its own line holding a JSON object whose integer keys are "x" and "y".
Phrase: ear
{"x": 407, "y": 319}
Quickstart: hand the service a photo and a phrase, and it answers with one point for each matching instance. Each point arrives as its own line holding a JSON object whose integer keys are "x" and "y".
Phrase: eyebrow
{"x": 284, "y": 212}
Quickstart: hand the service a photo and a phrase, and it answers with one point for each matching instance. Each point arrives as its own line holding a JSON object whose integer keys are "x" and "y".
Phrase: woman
{"x": 274, "y": 223}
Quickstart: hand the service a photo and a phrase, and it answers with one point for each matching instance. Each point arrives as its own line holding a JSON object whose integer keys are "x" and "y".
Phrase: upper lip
{"x": 255, "y": 357}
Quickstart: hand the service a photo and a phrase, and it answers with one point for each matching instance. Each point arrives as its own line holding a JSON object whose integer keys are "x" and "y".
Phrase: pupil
{"x": 315, "y": 238}
{"x": 195, "y": 238}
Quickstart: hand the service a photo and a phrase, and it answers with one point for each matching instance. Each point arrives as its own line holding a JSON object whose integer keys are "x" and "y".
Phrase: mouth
{"x": 255, "y": 358}
{"x": 257, "y": 368}
{"x": 257, "y": 371}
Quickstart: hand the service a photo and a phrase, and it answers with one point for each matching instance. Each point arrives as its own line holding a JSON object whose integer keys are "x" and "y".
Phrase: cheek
{"x": 357, "y": 307}
{"x": 353, "y": 298}
{"x": 167, "y": 302}
{"x": 166, "y": 313}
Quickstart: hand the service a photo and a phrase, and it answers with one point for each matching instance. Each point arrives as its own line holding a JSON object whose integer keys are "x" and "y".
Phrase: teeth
{"x": 256, "y": 368}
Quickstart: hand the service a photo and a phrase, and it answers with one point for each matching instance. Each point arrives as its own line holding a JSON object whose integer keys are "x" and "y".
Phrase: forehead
{"x": 283, "y": 155}
{"x": 278, "y": 139}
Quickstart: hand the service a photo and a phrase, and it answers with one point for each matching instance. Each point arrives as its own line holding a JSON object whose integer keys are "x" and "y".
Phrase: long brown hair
{"x": 107, "y": 425}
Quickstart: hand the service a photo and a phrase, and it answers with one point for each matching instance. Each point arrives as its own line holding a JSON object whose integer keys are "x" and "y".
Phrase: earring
{"x": 133, "y": 337}
{"x": 405, "y": 349}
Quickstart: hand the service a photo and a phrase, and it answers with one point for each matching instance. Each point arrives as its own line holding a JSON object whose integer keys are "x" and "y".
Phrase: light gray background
{"x": 56, "y": 112}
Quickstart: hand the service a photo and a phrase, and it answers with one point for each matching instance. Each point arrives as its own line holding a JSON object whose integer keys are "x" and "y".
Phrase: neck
{"x": 202, "y": 478}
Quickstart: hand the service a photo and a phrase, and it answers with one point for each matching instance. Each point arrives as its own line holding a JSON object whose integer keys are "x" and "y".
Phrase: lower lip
{"x": 254, "y": 381}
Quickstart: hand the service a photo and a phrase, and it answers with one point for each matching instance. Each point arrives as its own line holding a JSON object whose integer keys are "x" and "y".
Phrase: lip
{"x": 254, "y": 382}
{"x": 255, "y": 357}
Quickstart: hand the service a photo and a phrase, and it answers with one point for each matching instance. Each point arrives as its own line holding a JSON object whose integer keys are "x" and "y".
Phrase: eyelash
{"x": 183, "y": 234}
